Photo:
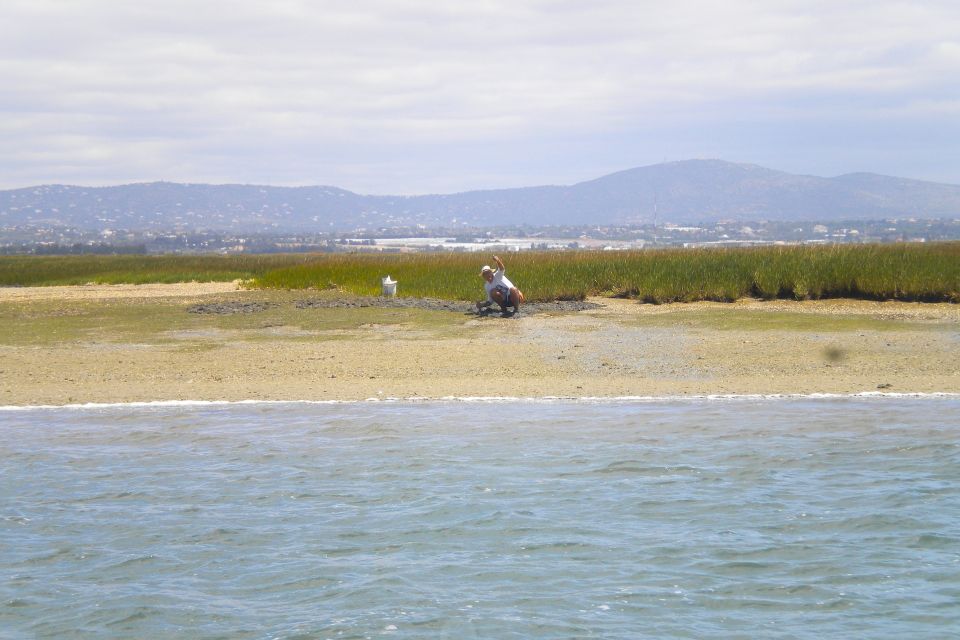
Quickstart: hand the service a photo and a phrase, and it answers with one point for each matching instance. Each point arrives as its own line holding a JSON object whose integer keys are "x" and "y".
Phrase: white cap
{"x": 486, "y": 268}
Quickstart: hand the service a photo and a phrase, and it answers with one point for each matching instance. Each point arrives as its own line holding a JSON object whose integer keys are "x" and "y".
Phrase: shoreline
{"x": 169, "y": 404}
{"x": 109, "y": 344}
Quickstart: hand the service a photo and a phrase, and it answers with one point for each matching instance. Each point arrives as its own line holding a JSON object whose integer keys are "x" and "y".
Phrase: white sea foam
{"x": 493, "y": 399}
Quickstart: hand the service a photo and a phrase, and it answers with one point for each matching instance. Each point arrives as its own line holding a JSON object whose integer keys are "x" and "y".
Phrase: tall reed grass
{"x": 925, "y": 272}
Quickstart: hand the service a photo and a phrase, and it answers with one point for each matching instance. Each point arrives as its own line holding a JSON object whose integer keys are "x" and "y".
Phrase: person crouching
{"x": 499, "y": 288}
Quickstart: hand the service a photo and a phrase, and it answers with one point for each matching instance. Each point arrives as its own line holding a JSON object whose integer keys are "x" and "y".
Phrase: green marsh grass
{"x": 924, "y": 272}
{"x": 138, "y": 269}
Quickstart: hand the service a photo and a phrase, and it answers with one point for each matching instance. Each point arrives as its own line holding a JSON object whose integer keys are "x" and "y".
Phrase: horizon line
{"x": 479, "y": 190}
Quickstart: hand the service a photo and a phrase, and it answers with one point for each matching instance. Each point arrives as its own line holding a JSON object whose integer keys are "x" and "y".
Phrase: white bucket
{"x": 389, "y": 287}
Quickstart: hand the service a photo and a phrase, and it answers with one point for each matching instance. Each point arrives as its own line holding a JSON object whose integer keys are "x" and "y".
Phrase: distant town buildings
{"x": 40, "y": 239}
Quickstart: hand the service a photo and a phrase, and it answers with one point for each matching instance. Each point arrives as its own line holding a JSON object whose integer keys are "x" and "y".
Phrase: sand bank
{"x": 140, "y": 343}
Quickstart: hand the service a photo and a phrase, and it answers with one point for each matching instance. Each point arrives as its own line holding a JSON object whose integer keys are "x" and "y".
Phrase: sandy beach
{"x": 125, "y": 343}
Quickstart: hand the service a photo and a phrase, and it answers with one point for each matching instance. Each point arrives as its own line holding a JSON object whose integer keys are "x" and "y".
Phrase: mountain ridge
{"x": 681, "y": 191}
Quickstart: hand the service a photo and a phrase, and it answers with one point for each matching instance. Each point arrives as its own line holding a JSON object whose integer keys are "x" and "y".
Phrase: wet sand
{"x": 619, "y": 348}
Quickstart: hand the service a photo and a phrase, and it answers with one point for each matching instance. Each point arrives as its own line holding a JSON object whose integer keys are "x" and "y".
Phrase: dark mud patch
{"x": 432, "y": 304}
{"x": 429, "y": 304}
{"x": 227, "y": 308}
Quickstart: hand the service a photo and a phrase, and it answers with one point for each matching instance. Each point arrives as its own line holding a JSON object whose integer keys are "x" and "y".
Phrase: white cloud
{"x": 253, "y": 91}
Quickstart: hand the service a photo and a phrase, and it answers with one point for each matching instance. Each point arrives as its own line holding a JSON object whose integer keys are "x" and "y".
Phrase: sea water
{"x": 722, "y": 518}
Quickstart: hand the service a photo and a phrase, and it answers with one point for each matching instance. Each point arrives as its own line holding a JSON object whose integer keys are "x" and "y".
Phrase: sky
{"x": 434, "y": 96}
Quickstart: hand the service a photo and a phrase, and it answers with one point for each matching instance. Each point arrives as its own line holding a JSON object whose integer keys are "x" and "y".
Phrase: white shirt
{"x": 498, "y": 279}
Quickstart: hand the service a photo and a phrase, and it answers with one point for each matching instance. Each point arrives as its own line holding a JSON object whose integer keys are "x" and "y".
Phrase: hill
{"x": 686, "y": 191}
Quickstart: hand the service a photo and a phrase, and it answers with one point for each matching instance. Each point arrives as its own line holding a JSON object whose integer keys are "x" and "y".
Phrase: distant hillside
{"x": 687, "y": 191}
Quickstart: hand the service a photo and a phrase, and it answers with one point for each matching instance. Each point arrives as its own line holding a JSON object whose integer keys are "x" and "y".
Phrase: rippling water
{"x": 736, "y": 519}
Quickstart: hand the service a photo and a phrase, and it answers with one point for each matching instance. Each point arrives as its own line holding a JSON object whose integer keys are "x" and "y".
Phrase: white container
{"x": 389, "y": 287}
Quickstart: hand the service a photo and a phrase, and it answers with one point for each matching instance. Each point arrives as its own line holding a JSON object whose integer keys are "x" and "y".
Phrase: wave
{"x": 495, "y": 399}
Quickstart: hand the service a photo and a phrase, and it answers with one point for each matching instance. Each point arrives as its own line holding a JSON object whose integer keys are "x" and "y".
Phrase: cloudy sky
{"x": 427, "y": 96}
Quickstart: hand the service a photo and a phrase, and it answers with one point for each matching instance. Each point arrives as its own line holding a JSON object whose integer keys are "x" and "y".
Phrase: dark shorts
{"x": 503, "y": 290}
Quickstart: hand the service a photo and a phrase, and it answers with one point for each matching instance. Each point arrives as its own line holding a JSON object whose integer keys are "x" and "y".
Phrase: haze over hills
{"x": 691, "y": 191}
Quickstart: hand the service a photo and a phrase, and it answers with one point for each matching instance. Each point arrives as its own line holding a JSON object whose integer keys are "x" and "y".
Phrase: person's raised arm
{"x": 499, "y": 263}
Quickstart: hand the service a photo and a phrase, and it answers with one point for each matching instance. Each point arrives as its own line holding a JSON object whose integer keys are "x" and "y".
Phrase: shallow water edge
{"x": 495, "y": 399}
